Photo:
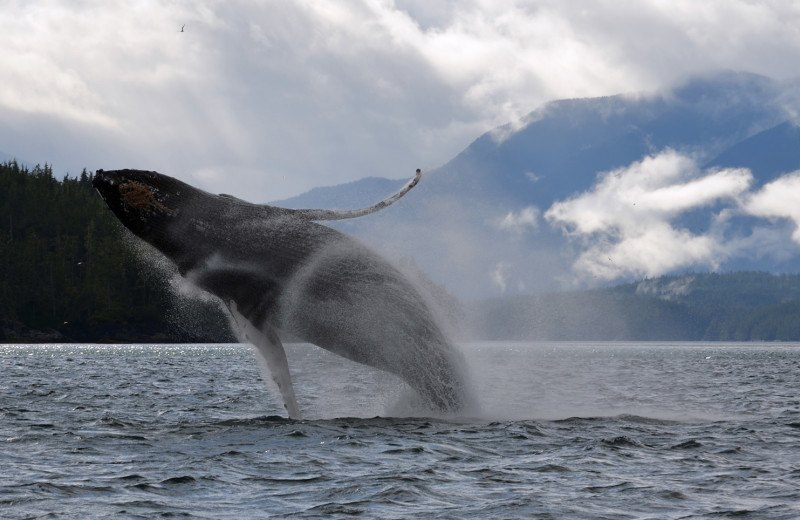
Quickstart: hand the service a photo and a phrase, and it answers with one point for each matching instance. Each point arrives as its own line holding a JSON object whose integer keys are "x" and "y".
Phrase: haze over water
{"x": 565, "y": 431}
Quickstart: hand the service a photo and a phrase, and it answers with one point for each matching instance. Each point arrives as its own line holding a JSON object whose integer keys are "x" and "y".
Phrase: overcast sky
{"x": 267, "y": 99}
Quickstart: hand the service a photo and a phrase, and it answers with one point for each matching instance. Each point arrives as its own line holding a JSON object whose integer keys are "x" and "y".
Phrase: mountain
{"x": 768, "y": 154}
{"x": 565, "y": 144}
{"x": 603, "y": 190}
{"x": 363, "y": 192}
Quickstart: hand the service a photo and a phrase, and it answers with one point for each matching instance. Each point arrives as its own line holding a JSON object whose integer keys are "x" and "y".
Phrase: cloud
{"x": 499, "y": 275}
{"x": 660, "y": 250}
{"x": 778, "y": 200}
{"x": 626, "y": 222}
{"x": 521, "y": 221}
{"x": 283, "y": 96}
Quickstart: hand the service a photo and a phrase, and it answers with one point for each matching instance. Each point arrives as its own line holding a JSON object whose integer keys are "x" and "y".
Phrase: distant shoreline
{"x": 139, "y": 333}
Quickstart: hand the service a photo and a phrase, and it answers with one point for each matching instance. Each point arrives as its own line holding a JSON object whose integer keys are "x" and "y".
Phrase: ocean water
{"x": 563, "y": 431}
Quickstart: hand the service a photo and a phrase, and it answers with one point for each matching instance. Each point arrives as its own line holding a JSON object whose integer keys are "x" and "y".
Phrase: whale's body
{"x": 278, "y": 271}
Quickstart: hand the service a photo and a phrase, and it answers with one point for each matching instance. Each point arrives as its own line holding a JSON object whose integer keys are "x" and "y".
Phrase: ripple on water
{"x": 144, "y": 431}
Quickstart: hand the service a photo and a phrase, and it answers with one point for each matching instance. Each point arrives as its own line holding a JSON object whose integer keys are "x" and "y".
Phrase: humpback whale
{"x": 279, "y": 272}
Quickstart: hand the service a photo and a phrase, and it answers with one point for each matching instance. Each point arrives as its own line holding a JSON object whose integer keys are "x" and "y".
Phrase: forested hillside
{"x": 741, "y": 306}
{"x": 65, "y": 273}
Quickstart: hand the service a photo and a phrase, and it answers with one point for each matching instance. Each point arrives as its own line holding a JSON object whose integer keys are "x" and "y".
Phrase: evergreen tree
{"x": 64, "y": 266}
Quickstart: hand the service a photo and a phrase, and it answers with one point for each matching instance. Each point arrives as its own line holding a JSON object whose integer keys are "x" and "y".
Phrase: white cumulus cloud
{"x": 780, "y": 199}
{"x": 627, "y": 220}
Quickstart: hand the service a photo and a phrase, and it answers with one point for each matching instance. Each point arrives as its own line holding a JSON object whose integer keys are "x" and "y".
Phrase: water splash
{"x": 382, "y": 313}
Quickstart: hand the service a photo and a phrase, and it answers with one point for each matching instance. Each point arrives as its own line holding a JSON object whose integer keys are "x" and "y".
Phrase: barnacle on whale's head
{"x": 140, "y": 197}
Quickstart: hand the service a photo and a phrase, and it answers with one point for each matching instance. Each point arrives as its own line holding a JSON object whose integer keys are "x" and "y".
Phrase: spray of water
{"x": 197, "y": 312}
{"x": 349, "y": 303}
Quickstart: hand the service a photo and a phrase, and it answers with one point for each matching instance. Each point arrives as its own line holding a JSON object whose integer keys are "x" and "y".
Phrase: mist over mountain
{"x": 741, "y": 306}
{"x": 588, "y": 192}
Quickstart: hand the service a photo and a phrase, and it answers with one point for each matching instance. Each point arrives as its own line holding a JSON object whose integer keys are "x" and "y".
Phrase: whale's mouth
{"x": 102, "y": 182}
{"x": 103, "y": 178}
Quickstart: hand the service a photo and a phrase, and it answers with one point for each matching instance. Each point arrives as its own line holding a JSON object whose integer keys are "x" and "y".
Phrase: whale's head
{"x": 147, "y": 203}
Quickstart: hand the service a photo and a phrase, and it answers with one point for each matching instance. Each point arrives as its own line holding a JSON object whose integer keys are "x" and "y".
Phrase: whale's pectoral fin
{"x": 335, "y": 214}
{"x": 270, "y": 347}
